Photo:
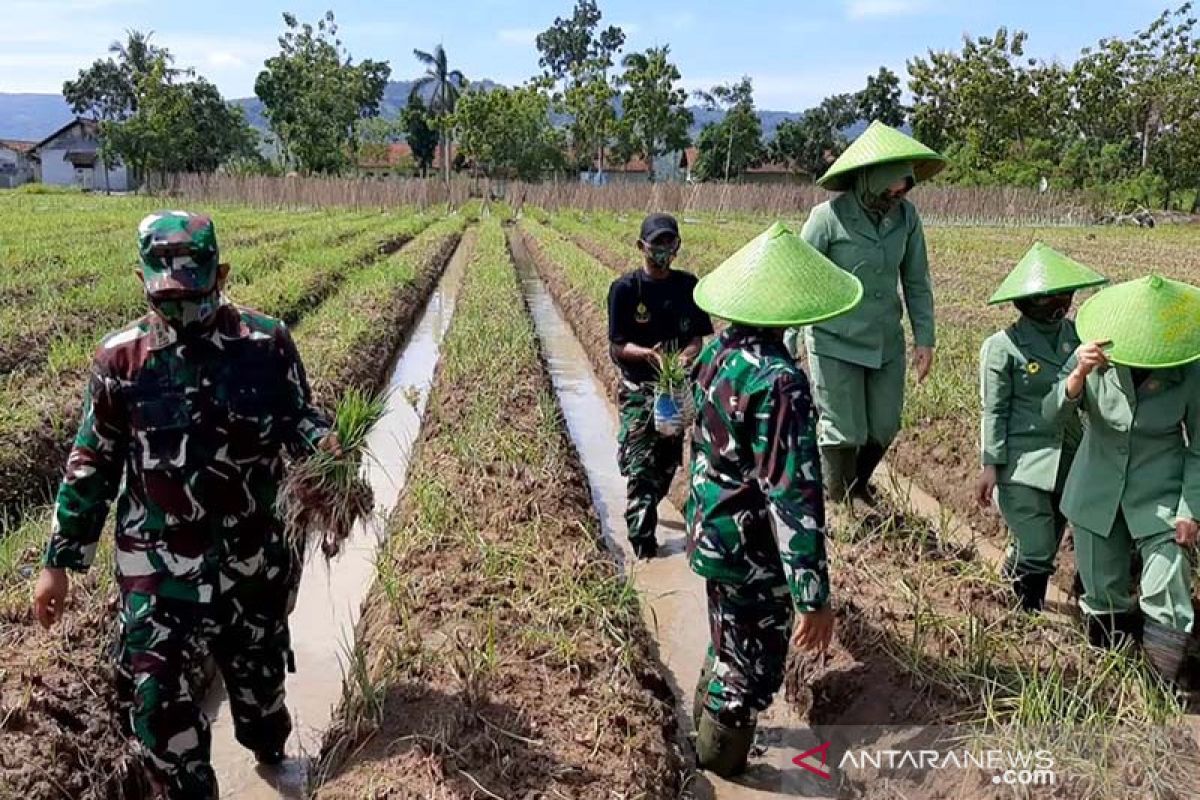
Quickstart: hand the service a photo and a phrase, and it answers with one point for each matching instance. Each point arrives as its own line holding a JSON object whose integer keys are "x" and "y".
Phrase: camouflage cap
{"x": 178, "y": 252}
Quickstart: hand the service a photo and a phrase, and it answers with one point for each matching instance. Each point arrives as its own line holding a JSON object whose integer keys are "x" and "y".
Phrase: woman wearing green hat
{"x": 1025, "y": 457}
{"x": 756, "y": 514}
{"x": 1136, "y": 479}
{"x": 857, "y": 361}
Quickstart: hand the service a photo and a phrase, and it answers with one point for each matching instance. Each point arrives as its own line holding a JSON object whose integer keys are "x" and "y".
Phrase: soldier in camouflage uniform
{"x": 756, "y": 513}
{"x": 650, "y": 312}
{"x": 193, "y": 405}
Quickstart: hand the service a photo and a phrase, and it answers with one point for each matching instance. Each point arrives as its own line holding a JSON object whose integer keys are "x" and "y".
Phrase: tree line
{"x": 1123, "y": 120}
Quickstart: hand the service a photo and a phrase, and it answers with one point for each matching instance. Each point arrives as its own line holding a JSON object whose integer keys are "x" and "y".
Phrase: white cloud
{"x": 222, "y": 58}
{"x": 523, "y": 37}
{"x": 875, "y": 9}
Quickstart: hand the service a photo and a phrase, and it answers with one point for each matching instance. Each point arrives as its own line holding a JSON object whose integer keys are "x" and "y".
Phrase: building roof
{"x": 85, "y": 121}
{"x": 397, "y": 153}
{"x": 17, "y": 145}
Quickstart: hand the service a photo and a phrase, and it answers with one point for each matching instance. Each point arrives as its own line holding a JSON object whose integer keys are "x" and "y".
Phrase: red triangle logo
{"x": 823, "y": 752}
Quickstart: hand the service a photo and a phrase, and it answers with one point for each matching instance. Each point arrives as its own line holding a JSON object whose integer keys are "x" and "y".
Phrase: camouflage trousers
{"x": 161, "y": 640}
{"x": 750, "y": 626}
{"x": 647, "y": 459}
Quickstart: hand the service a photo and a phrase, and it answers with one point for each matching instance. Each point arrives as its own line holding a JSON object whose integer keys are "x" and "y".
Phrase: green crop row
{"x": 491, "y": 594}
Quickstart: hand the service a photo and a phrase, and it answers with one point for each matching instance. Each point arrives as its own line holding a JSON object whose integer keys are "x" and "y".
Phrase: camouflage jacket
{"x": 197, "y": 427}
{"x": 756, "y": 511}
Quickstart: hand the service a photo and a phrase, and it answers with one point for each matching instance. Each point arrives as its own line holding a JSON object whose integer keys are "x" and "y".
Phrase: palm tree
{"x": 443, "y": 85}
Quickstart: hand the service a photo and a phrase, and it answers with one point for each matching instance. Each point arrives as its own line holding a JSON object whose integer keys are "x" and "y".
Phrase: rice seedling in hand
{"x": 325, "y": 494}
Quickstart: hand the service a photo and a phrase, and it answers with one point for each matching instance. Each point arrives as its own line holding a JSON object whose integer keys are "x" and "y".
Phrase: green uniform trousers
{"x": 647, "y": 460}
{"x": 857, "y": 404}
{"x": 750, "y": 626}
{"x": 1035, "y": 524}
{"x": 161, "y": 637}
{"x": 1104, "y": 565}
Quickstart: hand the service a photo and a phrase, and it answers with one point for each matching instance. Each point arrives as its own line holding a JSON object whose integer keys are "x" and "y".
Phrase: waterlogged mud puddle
{"x": 330, "y": 596}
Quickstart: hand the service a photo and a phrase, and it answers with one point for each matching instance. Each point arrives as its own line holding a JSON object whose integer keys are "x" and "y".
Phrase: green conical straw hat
{"x": 777, "y": 280}
{"x": 1044, "y": 270}
{"x": 880, "y": 144}
{"x": 1152, "y": 322}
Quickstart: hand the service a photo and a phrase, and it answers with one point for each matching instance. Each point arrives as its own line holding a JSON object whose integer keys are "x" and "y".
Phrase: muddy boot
{"x": 837, "y": 469}
{"x": 701, "y": 696}
{"x": 723, "y": 750}
{"x": 865, "y": 463}
{"x": 1030, "y": 589}
{"x": 1165, "y": 648}
{"x": 1114, "y": 630}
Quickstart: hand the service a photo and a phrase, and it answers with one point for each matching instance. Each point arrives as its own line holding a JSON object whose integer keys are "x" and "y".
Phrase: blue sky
{"x": 797, "y": 52}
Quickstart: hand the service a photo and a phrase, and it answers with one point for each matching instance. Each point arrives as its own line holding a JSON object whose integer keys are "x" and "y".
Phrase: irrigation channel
{"x": 672, "y": 596}
{"x": 331, "y": 595}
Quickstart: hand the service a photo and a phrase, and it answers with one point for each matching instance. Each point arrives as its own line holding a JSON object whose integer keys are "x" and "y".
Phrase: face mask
{"x": 1046, "y": 309}
{"x": 188, "y": 314}
{"x": 661, "y": 258}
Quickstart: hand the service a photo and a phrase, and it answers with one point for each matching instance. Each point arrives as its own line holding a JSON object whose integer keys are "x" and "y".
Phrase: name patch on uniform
{"x": 641, "y": 314}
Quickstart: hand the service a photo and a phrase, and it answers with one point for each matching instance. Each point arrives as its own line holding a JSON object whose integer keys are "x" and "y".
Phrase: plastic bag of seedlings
{"x": 674, "y": 409}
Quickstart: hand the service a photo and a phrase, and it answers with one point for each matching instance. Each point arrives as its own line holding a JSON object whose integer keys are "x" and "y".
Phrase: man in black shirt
{"x": 650, "y": 312}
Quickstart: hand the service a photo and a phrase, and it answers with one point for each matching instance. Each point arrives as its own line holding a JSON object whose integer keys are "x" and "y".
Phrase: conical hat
{"x": 1152, "y": 322}
{"x": 777, "y": 280}
{"x": 880, "y": 144}
{"x": 1044, "y": 270}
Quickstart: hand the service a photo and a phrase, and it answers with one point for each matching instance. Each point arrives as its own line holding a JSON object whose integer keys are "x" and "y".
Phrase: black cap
{"x": 655, "y": 225}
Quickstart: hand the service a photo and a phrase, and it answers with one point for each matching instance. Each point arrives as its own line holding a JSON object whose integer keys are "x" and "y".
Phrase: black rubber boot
{"x": 837, "y": 470}
{"x": 645, "y": 549}
{"x": 1165, "y": 649}
{"x": 866, "y": 461}
{"x": 723, "y": 750}
{"x": 1113, "y": 630}
{"x": 1030, "y": 589}
{"x": 269, "y": 758}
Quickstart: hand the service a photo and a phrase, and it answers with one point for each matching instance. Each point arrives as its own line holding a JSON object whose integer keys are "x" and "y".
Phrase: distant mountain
{"x": 32, "y": 117}
{"x": 36, "y": 116}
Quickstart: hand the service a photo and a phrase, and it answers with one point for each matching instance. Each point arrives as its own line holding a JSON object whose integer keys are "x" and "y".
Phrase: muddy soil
{"x": 61, "y": 724}
{"x": 591, "y": 720}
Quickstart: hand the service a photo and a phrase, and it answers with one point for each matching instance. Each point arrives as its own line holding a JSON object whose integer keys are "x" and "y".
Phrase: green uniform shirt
{"x": 1140, "y": 453}
{"x": 886, "y": 257}
{"x": 756, "y": 510}
{"x": 1018, "y": 367}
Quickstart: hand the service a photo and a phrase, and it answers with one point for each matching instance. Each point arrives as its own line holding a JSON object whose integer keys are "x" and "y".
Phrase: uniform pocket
{"x": 160, "y": 424}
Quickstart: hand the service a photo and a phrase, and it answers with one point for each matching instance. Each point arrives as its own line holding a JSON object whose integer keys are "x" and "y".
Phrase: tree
{"x": 655, "y": 120}
{"x": 421, "y": 136}
{"x": 179, "y": 126}
{"x": 809, "y": 145}
{"x": 733, "y": 145}
{"x": 507, "y": 132}
{"x": 576, "y": 56}
{"x": 984, "y": 96}
{"x": 107, "y": 90}
{"x": 880, "y": 100}
{"x": 444, "y": 86}
{"x": 315, "y": 96}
